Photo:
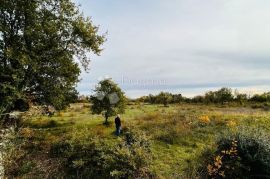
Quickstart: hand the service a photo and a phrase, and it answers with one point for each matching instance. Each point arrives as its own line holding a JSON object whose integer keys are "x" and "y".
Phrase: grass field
{"x": 178, "y": 133}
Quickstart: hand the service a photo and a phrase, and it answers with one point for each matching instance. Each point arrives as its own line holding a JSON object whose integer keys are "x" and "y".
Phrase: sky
{"x": 180, "y": 46}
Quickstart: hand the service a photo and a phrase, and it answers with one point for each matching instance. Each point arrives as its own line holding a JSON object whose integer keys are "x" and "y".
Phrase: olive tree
{"x": 108, "y": 99}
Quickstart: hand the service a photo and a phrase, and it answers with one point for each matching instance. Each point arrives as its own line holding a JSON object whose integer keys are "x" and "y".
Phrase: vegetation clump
{"x": 130, "y": 158}
{"x": 244, "y": 154}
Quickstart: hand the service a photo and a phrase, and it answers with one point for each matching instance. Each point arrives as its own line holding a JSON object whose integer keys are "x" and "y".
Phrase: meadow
{"x": 48, "y": 129}
{"x": 178, "y": 134}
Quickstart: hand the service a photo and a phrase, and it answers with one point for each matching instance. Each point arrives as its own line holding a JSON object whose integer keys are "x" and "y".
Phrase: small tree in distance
{"x": 108, "y": 99}
{"x": 164, "y": 98}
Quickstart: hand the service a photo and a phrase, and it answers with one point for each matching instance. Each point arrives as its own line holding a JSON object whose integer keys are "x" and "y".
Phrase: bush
{"x": 245, "y": 154}
{"x": 26, "y": 167}
{"x": 96, "y": 158}
{"x": 204, "y": 120}
{"x": 58, "y": 149}
{"x": 12, "y": 153}
{"x": 130, "y": 159}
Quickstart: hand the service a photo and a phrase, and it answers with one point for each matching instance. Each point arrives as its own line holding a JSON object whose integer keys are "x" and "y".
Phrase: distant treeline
{"x": 221, "y": 96}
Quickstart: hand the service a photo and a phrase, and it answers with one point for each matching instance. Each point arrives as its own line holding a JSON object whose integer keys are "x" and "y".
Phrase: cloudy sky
{"x": 181, "y": 46}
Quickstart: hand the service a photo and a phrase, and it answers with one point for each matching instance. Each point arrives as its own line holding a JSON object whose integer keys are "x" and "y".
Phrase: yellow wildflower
{"x": 204, "y": 119}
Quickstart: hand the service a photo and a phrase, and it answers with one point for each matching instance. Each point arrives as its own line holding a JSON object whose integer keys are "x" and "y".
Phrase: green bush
{"x": 59, "y": 148}
{"x": 26, "y": 167}
{"x": 264, "y": 106}
{"x": 131, "y": 158}
{"x": 244, "y": 154}
{"x": 96, "y": 158}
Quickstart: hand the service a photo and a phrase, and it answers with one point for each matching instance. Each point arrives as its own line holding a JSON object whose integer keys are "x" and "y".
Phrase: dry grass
{"x": 179, "y": 133}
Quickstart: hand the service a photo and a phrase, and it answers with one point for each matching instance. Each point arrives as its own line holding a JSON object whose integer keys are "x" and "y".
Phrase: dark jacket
{"x": 117, "y": 122}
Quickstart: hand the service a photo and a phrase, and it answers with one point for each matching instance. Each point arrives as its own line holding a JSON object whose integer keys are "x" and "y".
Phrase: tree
{"x": 210, "y": 97}
{"x": 198, "y": 99}
{"x": 164, "y": 98}
{"x": 241, "y": 98}
{"x": 221, "y": 96}
{"x": 151, "y": 99}
{"x": 38, "y": 42}
{"x": 108, "y": 99}
{"x": 177, "y": 98}
{"x": 265, "y": 97}
{"x": 224, "y": 95}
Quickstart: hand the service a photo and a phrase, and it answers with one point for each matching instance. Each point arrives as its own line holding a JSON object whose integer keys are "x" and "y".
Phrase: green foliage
{"x": 38, "y": 42}
{"x": 26, "y": 167}
{"x": 245, "y": 154}
{"x": 241, "y": 98}
{"x": 164, "y": 98}
{"x": 59, "y": 149}
{"x": 265, "y": 106}
{"x": 132, "y": 157}
{"x": 97, "y": 159}
{"x": 265, "y": 97}
{"x": 108, "y": 99}
{"x": 221, "y": 96}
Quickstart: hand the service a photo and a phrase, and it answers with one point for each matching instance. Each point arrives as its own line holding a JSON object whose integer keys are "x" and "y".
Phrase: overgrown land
{"x": 177, "y": 141}
{"x": 48, "y": 131}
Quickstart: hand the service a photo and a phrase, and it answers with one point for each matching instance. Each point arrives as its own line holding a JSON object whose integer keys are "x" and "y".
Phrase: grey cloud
{"x": 191, "y": 44}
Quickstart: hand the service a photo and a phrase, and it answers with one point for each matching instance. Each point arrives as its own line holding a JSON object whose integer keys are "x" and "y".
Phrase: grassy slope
{"x": 177, "y": 133}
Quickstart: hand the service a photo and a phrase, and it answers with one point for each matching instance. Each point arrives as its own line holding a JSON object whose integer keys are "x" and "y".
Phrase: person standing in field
{"x": 118, "y": 125}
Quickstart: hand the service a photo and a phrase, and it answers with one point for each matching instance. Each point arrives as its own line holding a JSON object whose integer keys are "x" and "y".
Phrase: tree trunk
{"x": 106, "y": 120}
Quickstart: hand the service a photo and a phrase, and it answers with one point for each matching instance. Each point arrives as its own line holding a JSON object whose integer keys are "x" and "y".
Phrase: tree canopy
{"x": 42, "y": 45}
{"x": 108, "y": 99}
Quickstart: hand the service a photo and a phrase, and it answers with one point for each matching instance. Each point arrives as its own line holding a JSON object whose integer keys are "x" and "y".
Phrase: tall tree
{"x": 108, "y": 99}
{"x": 42, "y": 45}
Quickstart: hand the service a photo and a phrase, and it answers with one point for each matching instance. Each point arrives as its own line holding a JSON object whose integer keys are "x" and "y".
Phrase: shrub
{"x": 204, "y": 119}
{"x": 26, "y": 167}
{"x": 58, "y": 149}
{"x": 26, "y": 133}
{"x": 96, "y": 158}
{"x": 265, "y": 106}
{"x": 130, "y": 159}
{"x": 245, "y": 154}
